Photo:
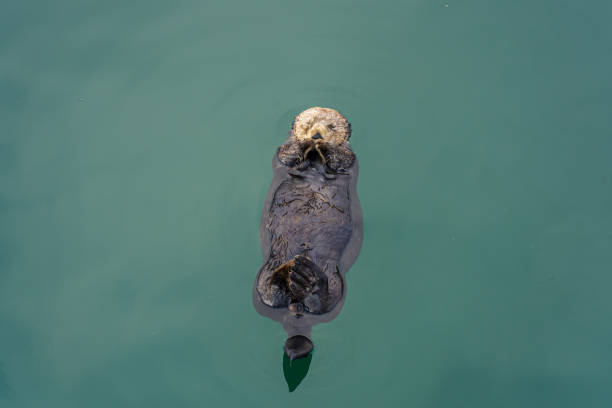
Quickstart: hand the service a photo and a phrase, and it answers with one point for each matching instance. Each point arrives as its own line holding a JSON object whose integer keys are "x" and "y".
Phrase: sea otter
{"x": 311, "y": 227}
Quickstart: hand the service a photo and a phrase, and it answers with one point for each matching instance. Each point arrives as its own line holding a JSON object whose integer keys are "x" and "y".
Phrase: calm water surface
{"x": 136, "y": 141}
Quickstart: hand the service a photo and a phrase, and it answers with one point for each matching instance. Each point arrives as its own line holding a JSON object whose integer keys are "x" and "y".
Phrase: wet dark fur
{"x": 309, "y": 224}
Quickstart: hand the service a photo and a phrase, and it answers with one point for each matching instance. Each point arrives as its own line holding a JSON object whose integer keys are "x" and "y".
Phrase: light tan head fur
{"x": 333, "y": 128}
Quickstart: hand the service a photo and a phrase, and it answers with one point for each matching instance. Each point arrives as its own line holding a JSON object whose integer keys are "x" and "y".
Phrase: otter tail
{"x": 295, "y": 370}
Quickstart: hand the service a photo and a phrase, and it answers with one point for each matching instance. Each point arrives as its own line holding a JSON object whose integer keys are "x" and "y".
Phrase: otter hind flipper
{"x": 298, "y": 282}
{"x": 308, "y": 285}
{"x": 272, "y": 285}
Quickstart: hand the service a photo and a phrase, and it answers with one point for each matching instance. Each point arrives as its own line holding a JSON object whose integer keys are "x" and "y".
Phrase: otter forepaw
{"x": 303, "y": 165}
{"x": 298, "y": 169}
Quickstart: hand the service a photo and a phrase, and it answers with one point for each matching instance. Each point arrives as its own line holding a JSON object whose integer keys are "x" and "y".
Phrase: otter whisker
{"x": 305, "y": 155}
{"x": 320, "y": 153}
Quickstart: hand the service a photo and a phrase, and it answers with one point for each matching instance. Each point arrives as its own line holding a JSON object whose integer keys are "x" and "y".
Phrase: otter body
{"x": 311, "y": 228}
{"x": 309, "y": 216}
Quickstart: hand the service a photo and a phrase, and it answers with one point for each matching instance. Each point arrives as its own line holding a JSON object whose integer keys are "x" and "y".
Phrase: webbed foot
{"x": 308, "y": 286}
{"x": 298, "y": 284}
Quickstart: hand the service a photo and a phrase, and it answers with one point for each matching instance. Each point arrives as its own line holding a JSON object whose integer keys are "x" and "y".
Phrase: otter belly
{"x": 310, "y": 216}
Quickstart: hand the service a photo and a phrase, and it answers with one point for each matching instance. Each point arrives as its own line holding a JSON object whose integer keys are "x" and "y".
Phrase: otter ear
{"x": 349, "y": 130}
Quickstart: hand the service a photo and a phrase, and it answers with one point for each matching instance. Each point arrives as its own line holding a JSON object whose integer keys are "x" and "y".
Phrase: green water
{"x": 136, "y": 141}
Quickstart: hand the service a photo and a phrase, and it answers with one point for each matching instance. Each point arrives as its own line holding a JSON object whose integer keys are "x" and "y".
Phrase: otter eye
{"x": 331, "y": 127}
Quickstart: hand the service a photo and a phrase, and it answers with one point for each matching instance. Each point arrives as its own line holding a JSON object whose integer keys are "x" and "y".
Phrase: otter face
{"x": 321, "y": 126}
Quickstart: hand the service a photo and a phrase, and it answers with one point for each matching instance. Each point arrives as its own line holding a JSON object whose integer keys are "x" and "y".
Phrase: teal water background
{"x": 136, "y": 141}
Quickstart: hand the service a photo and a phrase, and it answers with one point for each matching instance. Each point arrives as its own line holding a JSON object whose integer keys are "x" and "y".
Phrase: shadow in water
{"x": 295, "y": 371}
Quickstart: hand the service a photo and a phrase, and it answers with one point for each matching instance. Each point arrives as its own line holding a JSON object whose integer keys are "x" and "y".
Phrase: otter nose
{"x": 317, "y": 136}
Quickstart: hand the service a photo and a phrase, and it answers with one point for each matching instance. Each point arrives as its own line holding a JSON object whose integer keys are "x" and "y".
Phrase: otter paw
{"x": 303, "y": 165}
{"x": 308, "y": 284}
{"x": 306, "y": 267}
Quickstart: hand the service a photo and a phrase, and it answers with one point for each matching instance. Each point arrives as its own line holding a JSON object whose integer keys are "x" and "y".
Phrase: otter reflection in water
{"x": 311, "y": 227}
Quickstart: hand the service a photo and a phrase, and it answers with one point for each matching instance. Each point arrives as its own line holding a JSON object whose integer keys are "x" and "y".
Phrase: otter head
{"x": 321, "y": 126}
{"x": 318, "y": 133}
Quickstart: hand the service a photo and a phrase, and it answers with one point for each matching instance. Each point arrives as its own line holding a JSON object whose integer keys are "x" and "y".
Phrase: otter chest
{"x": 306, "y": 200}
